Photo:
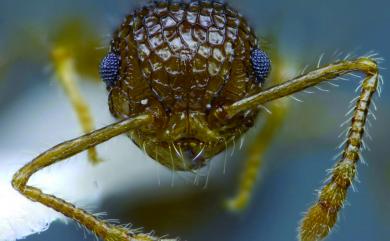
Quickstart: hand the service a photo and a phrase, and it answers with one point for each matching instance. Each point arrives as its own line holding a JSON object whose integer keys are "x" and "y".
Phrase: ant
{"x": 184, "y": 81}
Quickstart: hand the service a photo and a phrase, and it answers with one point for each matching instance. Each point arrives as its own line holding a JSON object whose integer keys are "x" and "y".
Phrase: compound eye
{"x": 109, "y": 69}
{"x": 261, "y": 64}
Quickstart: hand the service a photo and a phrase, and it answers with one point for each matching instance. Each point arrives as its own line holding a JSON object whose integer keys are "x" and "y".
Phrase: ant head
{"x": 109, "y": 69}
{"x": 261, "y": 64}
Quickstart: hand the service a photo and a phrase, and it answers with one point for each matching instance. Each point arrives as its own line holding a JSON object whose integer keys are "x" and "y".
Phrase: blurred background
{"x": 35, "y": 114}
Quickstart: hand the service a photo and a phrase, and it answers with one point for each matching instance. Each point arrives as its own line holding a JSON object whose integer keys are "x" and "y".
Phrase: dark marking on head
{"x": 109, "y": 69}
{"x": 261, "y": 64}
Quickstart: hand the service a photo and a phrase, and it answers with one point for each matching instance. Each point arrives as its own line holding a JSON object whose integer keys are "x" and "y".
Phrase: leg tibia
{"x": 255, "y": 156}
{"x": 262, "y": 141}
{"x": 66, "y": 74}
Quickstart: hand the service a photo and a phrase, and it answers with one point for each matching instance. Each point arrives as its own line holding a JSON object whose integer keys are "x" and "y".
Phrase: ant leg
{"x": 65, "y": 150}
{"x": 261, "y": 142}
{"x": 65, "y": 70}
{"x": 254, "y": 156}
{"x": 322, "y": 216}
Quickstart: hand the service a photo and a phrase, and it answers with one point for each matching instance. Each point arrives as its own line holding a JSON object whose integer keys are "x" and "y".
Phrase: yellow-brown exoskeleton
{"x": 184, "y": 81}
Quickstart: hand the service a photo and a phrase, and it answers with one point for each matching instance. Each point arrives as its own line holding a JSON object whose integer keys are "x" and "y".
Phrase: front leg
{"x": 104, "y": 230}
{"x": 255, "y": 155}
{"x": 263, "y": 139}
{"x": 66, "y": 75}
{"x": 322, "y": 216}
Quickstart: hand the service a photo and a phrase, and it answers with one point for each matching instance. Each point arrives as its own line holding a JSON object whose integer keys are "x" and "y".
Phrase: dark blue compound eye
{"x": 109, "y": 69}
{"x": 261, "y": 65}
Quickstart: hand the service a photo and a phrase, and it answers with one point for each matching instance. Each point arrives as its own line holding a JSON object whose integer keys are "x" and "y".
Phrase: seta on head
{"x": 182, "y": 61}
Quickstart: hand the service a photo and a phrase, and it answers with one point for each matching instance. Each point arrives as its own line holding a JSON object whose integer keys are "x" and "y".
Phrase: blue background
{"x": 296, "y": 163}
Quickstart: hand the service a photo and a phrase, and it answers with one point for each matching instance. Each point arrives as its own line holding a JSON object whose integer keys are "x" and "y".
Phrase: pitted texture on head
{"x": 189, "y": 55}
{"x": 261, "y": 65}
{"x": 181, "y": 61}
{"x": 109, "y": 69}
